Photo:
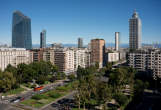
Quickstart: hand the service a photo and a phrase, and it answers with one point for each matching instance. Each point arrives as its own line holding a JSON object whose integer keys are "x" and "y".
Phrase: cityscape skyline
{"x": 74, "y": 25}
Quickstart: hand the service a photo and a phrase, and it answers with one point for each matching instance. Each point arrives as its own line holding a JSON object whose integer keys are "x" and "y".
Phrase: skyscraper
{"x": 117, "y": 40}
{"x": 98, "y": 51}
{"x": 43, "y": 39}
{"x": 21, "y": 31}
{"x": 80, "y": 43}
{"x": 135, "y": 32}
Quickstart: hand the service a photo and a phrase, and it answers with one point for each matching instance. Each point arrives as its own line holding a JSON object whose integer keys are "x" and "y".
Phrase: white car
{"x": 16, "y": 100}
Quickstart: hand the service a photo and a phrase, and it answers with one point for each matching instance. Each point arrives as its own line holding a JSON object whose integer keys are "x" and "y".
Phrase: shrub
{"x": 39, "y": 96}
{"x": 121, "y": 99}
{"x": 54, "y": 95}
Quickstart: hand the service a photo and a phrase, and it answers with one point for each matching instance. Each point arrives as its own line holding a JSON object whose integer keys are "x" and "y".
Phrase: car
{"x": 41, "y": 90}
{"x": 17, "y": 100}
{"x": 22, "y": 99}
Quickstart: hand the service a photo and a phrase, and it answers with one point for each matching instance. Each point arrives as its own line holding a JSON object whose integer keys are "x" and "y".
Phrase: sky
{"x": 66, "y": 20}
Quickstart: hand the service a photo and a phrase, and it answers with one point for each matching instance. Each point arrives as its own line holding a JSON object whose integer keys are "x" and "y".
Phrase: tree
{"x": 139, "y": 87}
{"x": 21, "y": 72}
{"x": 71, "y": 77}
{"x": 12, "y": 69}
{"x": 103, "y": 93}
{"x": 121, "y": 99}
{"x": 7, "y": 81}
{"x": 60, "y": 76}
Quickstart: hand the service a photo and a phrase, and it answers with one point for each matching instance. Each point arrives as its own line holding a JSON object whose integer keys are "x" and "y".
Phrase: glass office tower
{"x": 43, "y": 39}
{"x": 21, "y": 31}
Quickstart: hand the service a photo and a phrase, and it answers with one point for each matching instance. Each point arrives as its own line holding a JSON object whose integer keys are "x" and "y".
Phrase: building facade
{"x": 64, "y": 60}
{"x": 21, "y": 31}
{"x": 117, "y": 41}
{"x": 13, "y": 56}
{"x": 42, "y": 54}
{"x": 80, "y": 43}
{"x": 98, "y": 52}
{"x": 112, "y": 57}
{"x": 146, "y": 60}
{"x": 135, "y": 32}
{"x": 81, "y": 58}
{"x": 43, "y": 39}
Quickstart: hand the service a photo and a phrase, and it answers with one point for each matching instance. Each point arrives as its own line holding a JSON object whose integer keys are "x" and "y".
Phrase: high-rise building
{"x": 98, "y": 52}
{"x": 43, "y": 39}
{"x": 80, "y": 43}
{"x": 21, "y": 31}
{"x": 117, "y": 40}
{"x": 135, "y": 31}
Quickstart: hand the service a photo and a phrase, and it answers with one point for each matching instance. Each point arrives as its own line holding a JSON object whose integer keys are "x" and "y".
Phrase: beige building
{"x": 64, "y": 59}
{"x": 97, "y": 51}
{"x": 13, "y": 56}
{"x": 45, "y": 54}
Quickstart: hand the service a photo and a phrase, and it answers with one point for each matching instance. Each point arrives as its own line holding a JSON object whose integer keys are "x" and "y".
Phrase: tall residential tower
{"x": 117, "y": 40}
{"x": 98, "y": 51}
{"x": 135, "y": 32}
{"x": 43, "y": 39}
{"x": 21, "y": 31}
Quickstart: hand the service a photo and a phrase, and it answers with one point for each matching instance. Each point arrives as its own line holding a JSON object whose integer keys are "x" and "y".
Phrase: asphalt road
{"x": 6, "y": 103}
{"x": 4, "y": 106}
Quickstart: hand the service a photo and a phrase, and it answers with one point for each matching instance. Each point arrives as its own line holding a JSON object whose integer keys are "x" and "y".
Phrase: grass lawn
{"x": 40, "y": 100}
{"x": 14, "y": 91}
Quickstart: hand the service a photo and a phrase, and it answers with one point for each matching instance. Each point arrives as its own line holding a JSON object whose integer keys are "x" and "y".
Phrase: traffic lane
{"x": 29, "y": 94}
{"x": 7, "y": 107}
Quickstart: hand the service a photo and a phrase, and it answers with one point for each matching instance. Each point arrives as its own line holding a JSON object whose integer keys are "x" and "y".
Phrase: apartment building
{"x": 64, "y": 59}
{"x": 112, "y": 56}
{"x": 97, "y": 52}
{"x": 13, "y": 56}
{"x": 146, "y": 60}
{"x": 81, "y": 58}
{"x": 44, "y": 54}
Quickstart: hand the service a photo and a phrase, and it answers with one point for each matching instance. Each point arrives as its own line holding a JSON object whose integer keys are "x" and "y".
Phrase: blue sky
{"x": 66, "y": 20}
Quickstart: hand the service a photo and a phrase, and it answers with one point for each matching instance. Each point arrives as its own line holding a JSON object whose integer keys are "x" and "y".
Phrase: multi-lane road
{"x": 5, "y": 103}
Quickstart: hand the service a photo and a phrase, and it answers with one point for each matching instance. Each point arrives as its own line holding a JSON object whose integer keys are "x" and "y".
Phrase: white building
{"x": 13, "y": 56}
{"x": 117, "y": 40}
{"x": 81, "y": 58}
{"x": 112, "y": 56}
{"x": 146, "y": 60}
{"x": 68, "y": 59}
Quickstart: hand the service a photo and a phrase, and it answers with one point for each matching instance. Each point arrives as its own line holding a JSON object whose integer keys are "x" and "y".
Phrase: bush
{"x": 62, "y": 88}
{"x": 39, "y": 96}
{"x": 121, "y": 99}
{"x": 54, "y": 95}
